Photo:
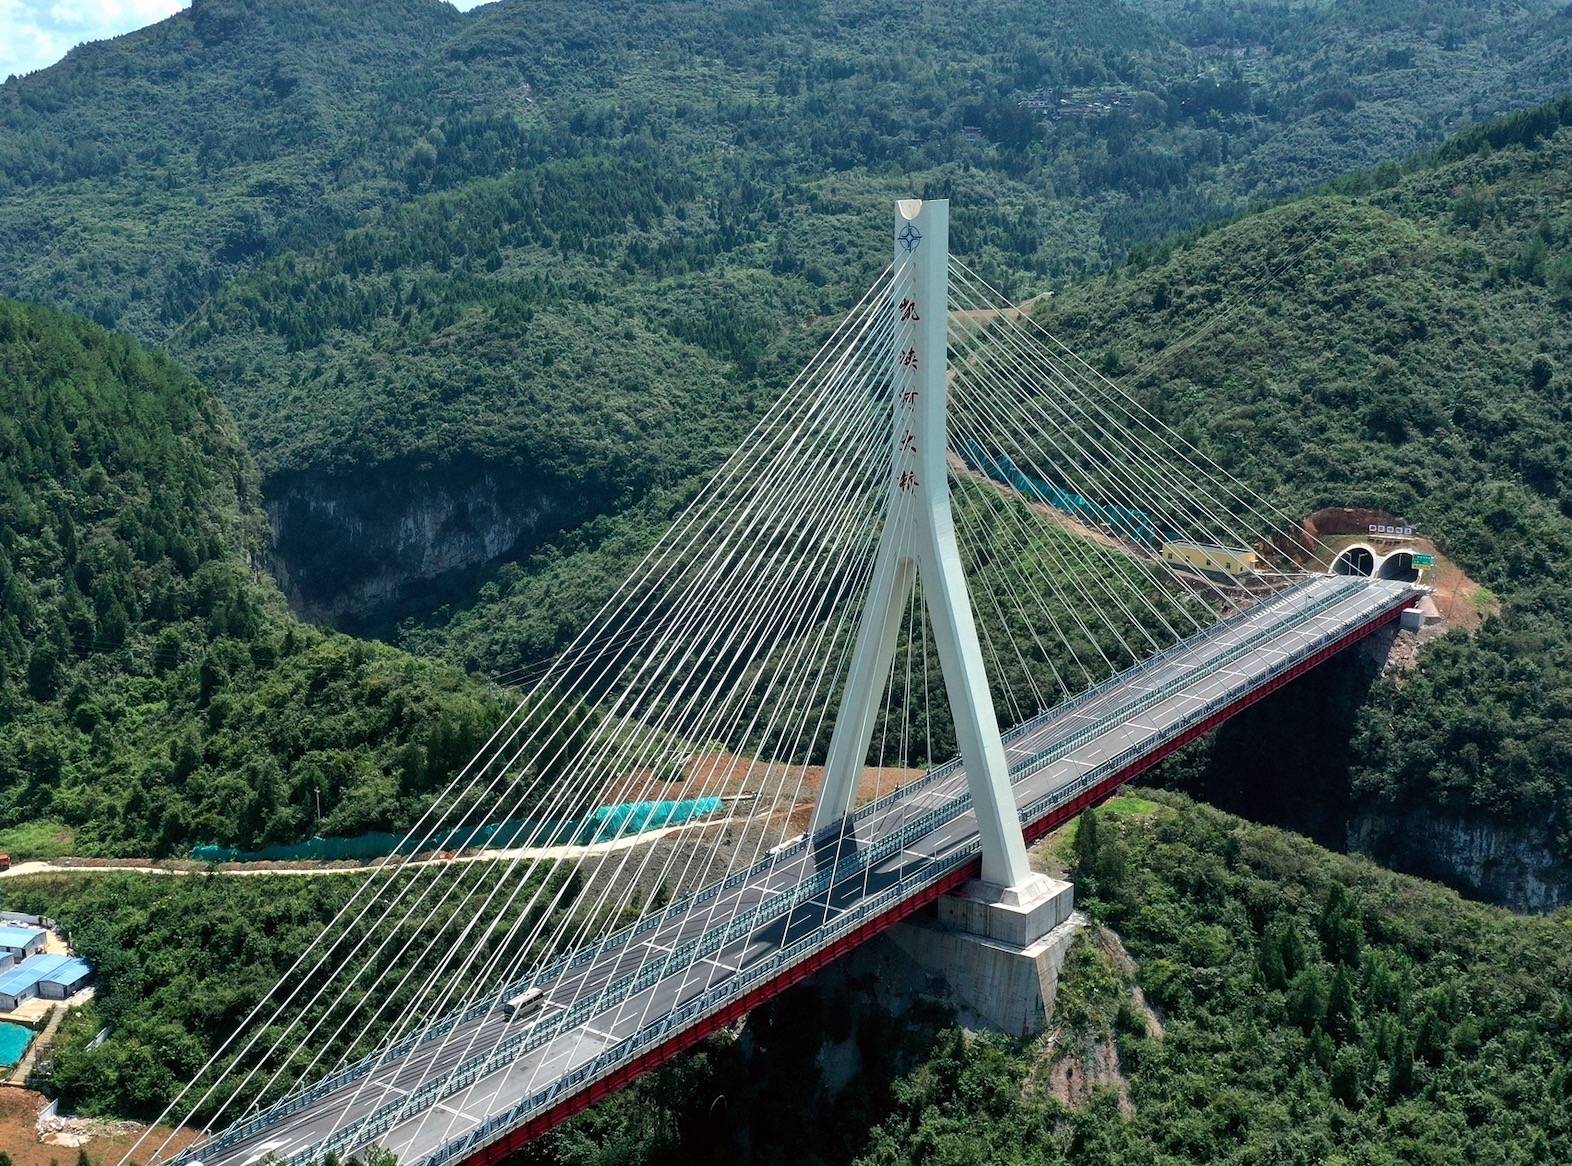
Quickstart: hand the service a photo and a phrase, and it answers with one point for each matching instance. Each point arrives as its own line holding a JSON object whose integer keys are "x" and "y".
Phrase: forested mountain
{"x": 154, "y": 689}
{"x": 498, "y": 214}
{"x": 1398, "y": 341}
{"x": 1401, "y": 342}
{"x": 137, "y": 172}
{"x": 263, "y": 124}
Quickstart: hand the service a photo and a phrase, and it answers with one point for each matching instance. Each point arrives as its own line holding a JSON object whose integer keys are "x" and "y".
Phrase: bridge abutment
{"x": 998, "y": 952}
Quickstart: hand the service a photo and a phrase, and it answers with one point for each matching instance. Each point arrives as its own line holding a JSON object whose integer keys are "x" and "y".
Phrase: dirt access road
{"x": 176, "y": 867}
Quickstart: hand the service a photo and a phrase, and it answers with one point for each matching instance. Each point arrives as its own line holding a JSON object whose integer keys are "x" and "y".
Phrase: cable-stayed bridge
{"x": 945, "y": 520}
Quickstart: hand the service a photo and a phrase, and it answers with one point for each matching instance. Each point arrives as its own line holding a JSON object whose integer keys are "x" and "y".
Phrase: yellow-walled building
{"x": 1202, "y": 557}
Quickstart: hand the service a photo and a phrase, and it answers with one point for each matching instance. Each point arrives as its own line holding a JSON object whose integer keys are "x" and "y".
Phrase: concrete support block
{"x": 1019, "y": 915}
{"x": 998, "y": 953}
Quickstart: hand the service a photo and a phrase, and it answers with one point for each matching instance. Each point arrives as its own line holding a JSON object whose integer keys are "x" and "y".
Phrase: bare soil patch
{"x": 105, "y": 1141}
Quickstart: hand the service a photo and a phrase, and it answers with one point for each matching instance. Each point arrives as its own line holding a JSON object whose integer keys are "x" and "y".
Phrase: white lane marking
{"x": 934, "y": 794}
{"x": 754, "y": 950}
{"x": 265, "y": 1149}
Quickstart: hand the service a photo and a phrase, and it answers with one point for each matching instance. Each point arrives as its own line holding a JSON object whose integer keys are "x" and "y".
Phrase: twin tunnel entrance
{"x": 1361, "y": 559}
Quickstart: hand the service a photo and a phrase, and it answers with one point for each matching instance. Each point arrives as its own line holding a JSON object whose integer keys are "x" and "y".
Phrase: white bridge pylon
{"x": 919, "y": 538}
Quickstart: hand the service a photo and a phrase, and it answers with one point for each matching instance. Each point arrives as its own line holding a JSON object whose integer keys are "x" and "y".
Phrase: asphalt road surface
{"x": 1140, "y": 709}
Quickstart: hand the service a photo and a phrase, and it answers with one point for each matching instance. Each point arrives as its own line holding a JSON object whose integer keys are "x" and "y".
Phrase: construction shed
{"x": 1209, "y": 559}
{"x": 66, "y": 979}
{"x": 21, "y": 941}
{"x": 17, "y": 986}
{"x": 50, "y": 977}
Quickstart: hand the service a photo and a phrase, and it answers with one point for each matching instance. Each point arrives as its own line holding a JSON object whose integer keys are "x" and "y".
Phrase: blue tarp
{"x": 1135, "y": 525}
{"x": 610, "y": 822}
{"x": 602, "y": 824}
{"x": 14, "y": 1039}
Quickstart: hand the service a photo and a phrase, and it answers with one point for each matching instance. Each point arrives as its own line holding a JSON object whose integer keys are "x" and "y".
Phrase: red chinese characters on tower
{"x": 906, "y": 370}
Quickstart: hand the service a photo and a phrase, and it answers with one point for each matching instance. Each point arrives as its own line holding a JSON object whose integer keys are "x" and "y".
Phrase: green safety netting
{"x": 602, "y": 824}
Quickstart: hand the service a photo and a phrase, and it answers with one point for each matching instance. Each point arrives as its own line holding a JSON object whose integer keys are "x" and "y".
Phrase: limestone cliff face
{"x": 346, "y": 547}
{"x": 1513, "y": 866}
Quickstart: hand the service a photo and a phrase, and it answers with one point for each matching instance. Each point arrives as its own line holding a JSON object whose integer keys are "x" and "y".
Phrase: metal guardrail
{"x": 783, "y": 902}
{"x": 552, "y": 972}
{"x": 683, "y": 956}
{"x": 679, "y": 959}
{"x": 1157, "y": 695}
{"x": 679, "y": 1019}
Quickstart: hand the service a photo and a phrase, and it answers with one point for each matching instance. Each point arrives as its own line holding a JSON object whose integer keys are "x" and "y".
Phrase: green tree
{"x": 1401, "y": 1077}
{"x": 1348, "y": 1077}
{"x": 1342, "y": 1008}
{"x": 1308, "y": 996}
{"x": 1088, "y": 851}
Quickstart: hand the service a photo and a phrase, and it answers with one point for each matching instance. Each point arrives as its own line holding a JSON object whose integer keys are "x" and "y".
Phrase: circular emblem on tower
{"x": 909, "y": 237}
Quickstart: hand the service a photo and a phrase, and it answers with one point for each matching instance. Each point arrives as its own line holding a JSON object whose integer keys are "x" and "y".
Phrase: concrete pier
{"x": 997, "y": 952}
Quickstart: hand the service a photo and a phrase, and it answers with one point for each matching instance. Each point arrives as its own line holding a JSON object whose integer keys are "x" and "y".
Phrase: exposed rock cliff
{"x": 1510, "y": 865}
{"x": 348, "y": 547}
{"x": 1287, "y": 762}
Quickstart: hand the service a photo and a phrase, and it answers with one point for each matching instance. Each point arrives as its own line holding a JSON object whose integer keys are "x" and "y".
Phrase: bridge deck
{"x": 612, "y": 1011}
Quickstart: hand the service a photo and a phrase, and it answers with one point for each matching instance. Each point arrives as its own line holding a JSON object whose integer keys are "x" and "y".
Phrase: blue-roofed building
{"x": 68, "y": 978}
{"x": 17, "y": 986}
{"x": 19, "y": 941}
{"x": 50, "y": 977}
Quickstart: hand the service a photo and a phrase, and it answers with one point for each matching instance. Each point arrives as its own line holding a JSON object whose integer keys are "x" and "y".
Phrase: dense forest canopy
{"x": 153, "y": 689}
{"x": 393, "y": 243}
{"x": 254, "y": 127}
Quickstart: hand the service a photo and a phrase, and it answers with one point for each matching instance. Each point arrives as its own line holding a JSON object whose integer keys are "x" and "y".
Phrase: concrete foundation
{"x": 998, "y": 953}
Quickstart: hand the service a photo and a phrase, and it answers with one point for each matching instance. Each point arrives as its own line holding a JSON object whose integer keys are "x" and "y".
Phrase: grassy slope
{"x": 153, "y": 690}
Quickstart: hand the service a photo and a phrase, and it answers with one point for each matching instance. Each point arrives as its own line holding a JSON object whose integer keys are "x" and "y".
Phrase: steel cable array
{"x": 713, "y": 672}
